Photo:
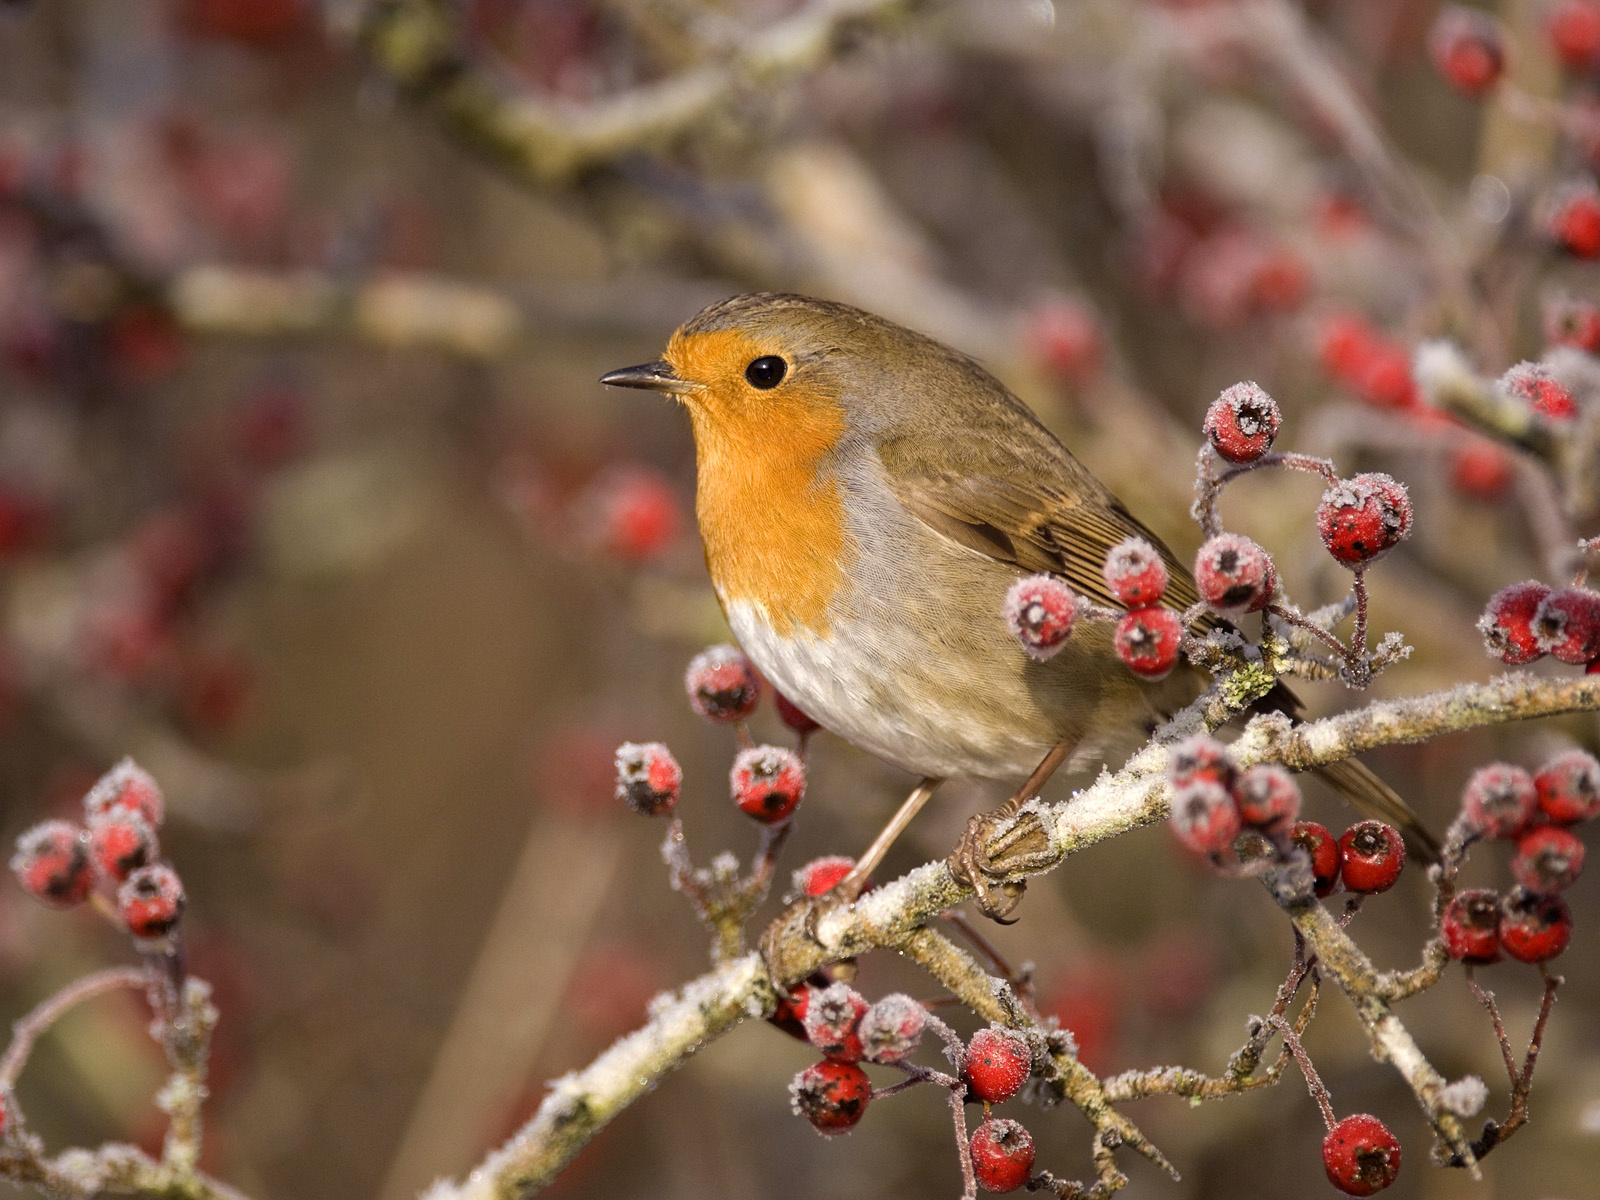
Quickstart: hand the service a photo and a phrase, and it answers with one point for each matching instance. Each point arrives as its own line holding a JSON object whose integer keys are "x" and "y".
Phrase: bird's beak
{"x": 655, "y": 376}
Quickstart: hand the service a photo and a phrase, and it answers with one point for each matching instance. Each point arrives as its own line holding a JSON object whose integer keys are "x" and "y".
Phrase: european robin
{"x": 866, "y": 497}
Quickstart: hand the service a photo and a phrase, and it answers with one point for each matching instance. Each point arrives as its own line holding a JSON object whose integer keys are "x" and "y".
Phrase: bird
{"x": 866, "y": 496}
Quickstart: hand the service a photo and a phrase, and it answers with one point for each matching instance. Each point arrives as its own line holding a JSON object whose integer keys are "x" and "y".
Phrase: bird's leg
{"x": 972, "y": 863}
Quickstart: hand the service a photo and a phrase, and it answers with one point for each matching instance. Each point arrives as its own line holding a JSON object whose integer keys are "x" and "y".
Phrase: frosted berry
{"x": 1040, "y": 610}
{"x": 1268, "y": 798}
{"x": 789, "y": 1014}
{"x": 649, "y": 779}
{"x": 722, "y": 684}
{"x": 822, "y": 875}
{"x": 833, "y": 1021}
{"x": 151, "y": 901}
{"x": 1360, "y": 1155}
{"x": 1507, "y": 624}
{"x": 1373, "y": 856}
{"x": 120, "y": 842}
{"x": 791, "y": 715}
{"x": 1204, "y": 816}
{"x": 1549, "y": 858}
{"x": 833, "y": 1096}
{"x": 126, "y": 786}
{"x": 1570, "y": 321}
{"x": 1242, "y": 423}
{"x": 1534, "y": 926}
{"x": 1362, "y": 518}
{"x": 768, "y": 782}
{"x": 1234, "y": 574}
{"x": 1135, "y": 573}
{"x": 1322, "y": 849}
{"x": 892, "y": 1028}
{"x": 1574, "y": 29}
{"x": 1470, "y": 926}
{"x": 1575, "y": 221}
{"x": 1535, "y": 386}
{"x": 1499, "y": 799}
{"x": 1467, "y": 49}
{"x": 1200, "y": 756}
{"x": 52, "y": 864}
{"x": 1148, "y": 641}
{"x": 1002, "y": 1155}
{"x": 998, "y": 1063}
{"x": 1566, "y": 625}
{"x": 1569, "y": 787}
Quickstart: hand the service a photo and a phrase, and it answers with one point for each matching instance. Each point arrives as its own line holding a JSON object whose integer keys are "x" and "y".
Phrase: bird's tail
{"x": 1358, "y": 784}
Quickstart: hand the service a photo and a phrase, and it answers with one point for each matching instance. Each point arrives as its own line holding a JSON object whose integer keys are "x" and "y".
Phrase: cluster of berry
{"x": 1526, "y": 621}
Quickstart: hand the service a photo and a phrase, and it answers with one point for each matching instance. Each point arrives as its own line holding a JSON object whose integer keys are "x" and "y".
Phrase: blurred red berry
{"x": 270, "y": 427}
{"x": 151, "y": 901}
{"x": 1002, "y": 1155}
{"x": 145, "y": 343}
{"x": 791, "y": 714}
{"x": 1040, "y": 610}
{"x": 833, "y": 1021}
{"x": 1373, "y": 854}
{"x": 1468, "y": 49}
{"x": 52, "y": 864}
{"x": 1574, "y": 221}
{"x": 120, "y": 842}
{"x": 1064, "y": 336}
{"x": 1322, "y": 849}
{"x": 1574, "y": 29}
{"x": 1470, "y": 926}
{"x": 1386, "y": 380}
{"x": 1345, "y": 345}
{"x": 722, "y": 684}
{"x": 1571, "y": 321}
{"x": 1566, "y": 625}
{"x": 1481, "y": 469}
{"x": 1234, "y": 574}
{"x": 1242, "y": 423}
{"x": 1534, "y": 926}
{"x": 649, "y": 779}
{"x": 1360, "y": 1155}
{"x": 1549, "y": 858}
{"x": 259, "y": 24}
{"x": 1204, "y": 816}
{"x": 833, "y": 1096}
{"x": 1499, "y": 799}
{"x": 1200, "y": 756}
{"x": 1135, "y": 573}
{"x": 768, "y": 783}
{"x": 1148, "y": 641}
{"x": 892, "y": 1028}
{"x": 127, "y": 786}
{"x": 1534, "y": 385}
{"x": 1569, "y": 787}
{"x": 1363, "y": 518}
{"x": 1507, "y": 623}
{"x": 637, "y": 513}
{"x": 999, "y": 1061}
{"x": 1280, "y": 281}
{"x": 822, "y": 875}
{"x": 1268, "y": 798}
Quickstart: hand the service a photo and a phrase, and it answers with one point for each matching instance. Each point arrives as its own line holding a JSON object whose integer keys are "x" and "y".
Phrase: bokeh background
{"x": 309, "y": 501}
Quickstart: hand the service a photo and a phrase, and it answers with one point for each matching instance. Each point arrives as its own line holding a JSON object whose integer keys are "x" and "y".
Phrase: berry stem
{"x": 30, "y": 1028}
{"x": 1314, "y": 1084}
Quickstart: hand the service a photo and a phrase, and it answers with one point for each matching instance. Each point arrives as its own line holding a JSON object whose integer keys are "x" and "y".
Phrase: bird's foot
{"x": 994, "y": 847}
{"x": 796, "y": 928}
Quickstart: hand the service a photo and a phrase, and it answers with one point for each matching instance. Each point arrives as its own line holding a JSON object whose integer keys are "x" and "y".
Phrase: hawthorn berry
{"x": 999, "y": 1061}
{"x": 649, "y": 779}
{"x": 1064, "y": 336}
{"x": 1322, "y": 848}
{"x": 151, "y": 901}
{"x": 126, "y": 786}
{"x": 1467, "y": 49}
{"x": 791, "y": 715}
{"x": 1360, "y": 1155}
{"x": 1535, "y": 386}
{"x": 1534, "y": 926}
{"x": 1135, "y": 573}
{"x": 1204, "y": 816}
{"x": 1507, "y": 623}
{"x": 1242, "y": 423}
{"x": 1200, "y": 756}
{"x": 768, "y": 782}
{"x": 1570, "y": 321}
{"x": 1040, "y": 610}
{"x": 1147, "y": 640}
{"x": 1386, "y": 379}
{"x": 892, "y": 1028}
{"x": 1574, "y": 29}
{"x": 1499, "y": 799}
{"x": 1345, "y": 345}
{"x": 52, "y": 863}
{"x": 833, "y": 1096}
{"x": 1268, "y": 798}
{"x": 789, "y": 1014}
{"x": 1574, "y": 221}
{"x": 1566, "y": 625}
{"x": 1362, "y": 518}
{"x": 1481, "y": 469}
{"x": 120, "y": 842}
{"x": 1234, "y": 574}
{"x": 1568, "y": 787}
{"x": 1002, "y": 1155}
{"x": 1549, "y": 858}
{"x": 637, "y": 513}
{"x": 722, "y": 684}
{"x": 1373, "y": 855}
{"x": 833, "y": 1021}
{"x": 1470, "y": 926}
{"x": 822, "y": 875}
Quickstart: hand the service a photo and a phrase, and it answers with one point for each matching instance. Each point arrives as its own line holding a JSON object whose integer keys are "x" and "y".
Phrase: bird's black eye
{"x": 766, "y": 372}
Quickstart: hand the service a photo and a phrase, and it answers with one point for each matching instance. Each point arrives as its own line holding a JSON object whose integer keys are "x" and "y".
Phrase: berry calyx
{"x": 1360, "y": 1155}
{"x": 1566, "y": 625}
{"x": 1470, "y": 926}
{"x": 1468, "y": 50}
{"x": 1002, "y": 1155}
{"x": 833, "y": 1096}
{"x": 722, "y": 684}
{"x": 1234, "y": 574}
{"x": 1499, "y": 799}
{"x": 1040, "y": 611}
{"x": 1147, "y": 640}
{"x": 126, "y": 786}
{"x": 1135, "y": 573}
{"x": 768, "y": 783}
{"x": 1569, "y": 787}
{"x": 120, "y": 842}
{"x": 833, "y": 1019}
{"x": 892, "y": 1028}
{"x": 1362, "y": 518}
{"x": 1268, "y": 798}
{"x": 1204, "y": 816}
{"x": 998, "y": 1063}
{"x": 1534, "y": 926}
{"x": 1322, "y": 848}
{"x": 1242, "y": 423}
{"x": 151, "y": 901}
{"x": 1507, "y": 623}
{"x": 821, "y": 875}
{"x": 1373, "y": 856}
{"x": 649, "y": 779}
{"x": 52, "y": 864}
{"x": 1549, "y": 858}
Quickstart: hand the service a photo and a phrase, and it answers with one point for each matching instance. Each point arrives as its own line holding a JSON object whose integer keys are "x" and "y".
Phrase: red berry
{"x": 1363, "y": 518}
{"x": 1549, "y": 858}
{"x": 151, "y": 901}
{"x": 1360, "y": 1155}
{"x": 1574, "y": 28}
{"x": 1481, "y": 469}
{"x": 649, "y": 779}
{"x": 1002, "y": 1155}
{"x": 1204, "y": 816}
{"x": 52, "y": 863}
{"x": 791, "y": 715}
{"x": 999, "y": 1061}
{"x": 636, "y": 513}
{"x": 1065, "y": 337}
{"x": 1535, "y": 386}
{"x": 1040, "y": 610}
{"x": 1322, "y": 849}
{"x": 1470, "y": 926}
{"x": 833, "y": 1096}
{"x": 1566, "y": 625}
{"x": 1467, "y": 49}
{"x": 722, "y": 684}
{"x": 1575, "y": 220}
{"x": 1345, "y": 345}
{"x": 1507, "y": 623}
{"x": 768, "y": 782}
{"x": 1242, "y": 423}
{"x": 1234, "y": 574}
{"x": 1135, "y": 573}
{"x": 822, "y": 875}
{"x": 1386, "y": 380}
{"x": 1534, "y": 926}
{"x": 1499, "y": 799}
{"x": 1569, "y": 787}
{"x": 833, "y": 1021}
{"x": 1148, "y": 641}
{"x": 120, "y": 843}
{"x": 1200, "y": 757}
{"x": 126, "y": 786}
{"x": 789, "y": 1014}
{"x": 892, "y": 1028}
{"x": 1570, "y": 321}
{"x": 1374, "y": 854}
{"x": 1268, "y": 798}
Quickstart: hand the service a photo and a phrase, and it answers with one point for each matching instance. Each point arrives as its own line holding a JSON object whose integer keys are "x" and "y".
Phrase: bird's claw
{"x": 973, "y": 865}
{"x": 796, "y": 923}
